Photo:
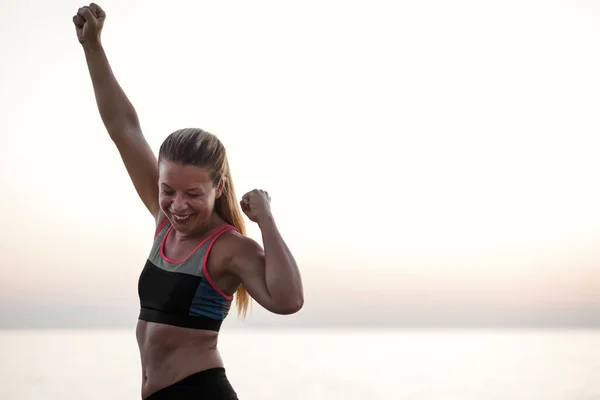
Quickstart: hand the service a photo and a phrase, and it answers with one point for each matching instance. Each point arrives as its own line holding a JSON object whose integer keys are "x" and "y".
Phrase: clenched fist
{"x": 256, "y": 204}
{"x": 88, "y": 23}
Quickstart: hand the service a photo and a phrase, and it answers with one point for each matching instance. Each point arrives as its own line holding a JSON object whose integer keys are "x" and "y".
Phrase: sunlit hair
{"x": 193, "y": 146}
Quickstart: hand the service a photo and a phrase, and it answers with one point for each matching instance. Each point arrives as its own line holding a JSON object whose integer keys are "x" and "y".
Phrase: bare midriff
{"x": 171, "y": 353}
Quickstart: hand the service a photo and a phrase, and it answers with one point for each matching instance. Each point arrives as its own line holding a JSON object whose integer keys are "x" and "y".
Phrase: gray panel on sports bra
{"x": 192, "y": 265}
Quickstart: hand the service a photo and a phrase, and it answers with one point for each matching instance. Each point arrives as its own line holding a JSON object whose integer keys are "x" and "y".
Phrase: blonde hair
{"x": 193, "y": 146}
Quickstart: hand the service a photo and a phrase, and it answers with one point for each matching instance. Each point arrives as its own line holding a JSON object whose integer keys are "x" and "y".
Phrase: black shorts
{"x": 210, "y": 384}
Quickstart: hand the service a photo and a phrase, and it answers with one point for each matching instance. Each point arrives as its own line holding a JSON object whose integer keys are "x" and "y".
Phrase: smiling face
{"x": 187, "y": 195}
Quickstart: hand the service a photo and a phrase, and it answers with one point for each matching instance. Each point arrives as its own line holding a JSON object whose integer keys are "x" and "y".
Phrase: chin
{"x": 179, "y": 227}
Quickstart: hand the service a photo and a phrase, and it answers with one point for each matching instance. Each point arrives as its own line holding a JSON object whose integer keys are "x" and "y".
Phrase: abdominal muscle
{"x": 171, "y": 353}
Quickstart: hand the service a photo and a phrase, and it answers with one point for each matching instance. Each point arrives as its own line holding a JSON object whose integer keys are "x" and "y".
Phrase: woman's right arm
{"x": 117, "y": 112}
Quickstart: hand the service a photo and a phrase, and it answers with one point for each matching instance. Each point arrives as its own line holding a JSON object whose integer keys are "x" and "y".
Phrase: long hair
{"x": 193, "y": 146}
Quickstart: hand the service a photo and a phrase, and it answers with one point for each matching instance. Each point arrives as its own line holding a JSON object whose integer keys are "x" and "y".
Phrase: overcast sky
{"x": 429, "y": 162}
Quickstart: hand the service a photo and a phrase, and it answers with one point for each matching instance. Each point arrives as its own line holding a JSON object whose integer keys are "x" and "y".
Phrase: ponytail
{"x": 228, "y": 208}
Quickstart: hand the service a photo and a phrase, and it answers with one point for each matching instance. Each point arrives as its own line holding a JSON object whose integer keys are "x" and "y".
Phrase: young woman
{"x": 200, "y": 257}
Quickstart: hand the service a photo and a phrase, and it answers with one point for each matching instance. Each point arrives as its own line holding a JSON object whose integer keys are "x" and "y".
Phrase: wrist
{"x": 265, "y": 219}
{"x": 92, "y": 46}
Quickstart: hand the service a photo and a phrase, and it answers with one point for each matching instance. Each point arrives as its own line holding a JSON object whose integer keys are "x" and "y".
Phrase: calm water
{"x": 321, "y": 364}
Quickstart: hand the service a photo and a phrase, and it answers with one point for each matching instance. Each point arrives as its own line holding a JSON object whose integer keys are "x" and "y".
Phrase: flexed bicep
{"x": 249, "y": 264}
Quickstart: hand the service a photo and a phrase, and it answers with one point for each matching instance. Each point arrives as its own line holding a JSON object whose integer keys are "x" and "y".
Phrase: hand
{"x": 88, "y": 23}
{"x": 256, "y": 204}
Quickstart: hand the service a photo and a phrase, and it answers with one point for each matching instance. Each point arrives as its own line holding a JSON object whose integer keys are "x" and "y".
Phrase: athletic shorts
{"x": 210, "y": 384}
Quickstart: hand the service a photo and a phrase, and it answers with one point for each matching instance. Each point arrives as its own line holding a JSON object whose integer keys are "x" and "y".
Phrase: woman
{"x": 200, "y": 257}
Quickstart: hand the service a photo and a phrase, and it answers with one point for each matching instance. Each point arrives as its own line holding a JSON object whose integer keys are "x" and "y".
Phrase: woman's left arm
{"x": 270, "y": 276}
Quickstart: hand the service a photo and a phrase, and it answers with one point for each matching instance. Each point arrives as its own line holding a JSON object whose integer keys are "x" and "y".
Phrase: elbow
{"x": 290, "y": 306}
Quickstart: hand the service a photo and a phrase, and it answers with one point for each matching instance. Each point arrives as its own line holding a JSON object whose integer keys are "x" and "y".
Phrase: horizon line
{"x": 316, "y": 327}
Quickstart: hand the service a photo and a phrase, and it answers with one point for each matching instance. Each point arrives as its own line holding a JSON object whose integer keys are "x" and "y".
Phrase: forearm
{"x": 116, "y": 111}
{"x": 282, "y": 276}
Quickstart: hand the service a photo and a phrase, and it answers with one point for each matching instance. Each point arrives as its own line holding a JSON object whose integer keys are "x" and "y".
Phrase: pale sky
{"x": 428, "y": 161}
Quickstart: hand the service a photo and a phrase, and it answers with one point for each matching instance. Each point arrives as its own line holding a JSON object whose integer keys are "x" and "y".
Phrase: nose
{"x": 179, "y": 204}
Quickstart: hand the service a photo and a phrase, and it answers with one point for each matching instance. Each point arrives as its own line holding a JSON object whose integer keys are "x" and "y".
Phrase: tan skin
{"x": 169, "y": 190}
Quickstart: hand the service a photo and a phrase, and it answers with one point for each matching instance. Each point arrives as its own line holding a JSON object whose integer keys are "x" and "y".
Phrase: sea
{"x": 319, "y": 364}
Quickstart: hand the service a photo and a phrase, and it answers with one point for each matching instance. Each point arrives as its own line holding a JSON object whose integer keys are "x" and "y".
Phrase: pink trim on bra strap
{"x": 205, "y": 270}
{"x": 162, "y": 225}
{"x": 164, "y": 239}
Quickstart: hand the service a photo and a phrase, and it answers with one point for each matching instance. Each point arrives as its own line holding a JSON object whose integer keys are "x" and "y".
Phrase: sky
{"x": 430, "y": 163}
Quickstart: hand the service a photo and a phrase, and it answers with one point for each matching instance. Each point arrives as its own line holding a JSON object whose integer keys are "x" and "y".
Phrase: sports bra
{"x": 180, "y": 292}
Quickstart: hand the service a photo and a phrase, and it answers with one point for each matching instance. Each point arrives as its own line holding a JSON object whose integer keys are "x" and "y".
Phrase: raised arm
{"x": 117, "y": 112}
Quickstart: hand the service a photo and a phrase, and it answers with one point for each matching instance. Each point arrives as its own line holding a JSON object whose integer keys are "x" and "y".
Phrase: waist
{"x": 170, "y": 353}
{"x": 180, "y": 320}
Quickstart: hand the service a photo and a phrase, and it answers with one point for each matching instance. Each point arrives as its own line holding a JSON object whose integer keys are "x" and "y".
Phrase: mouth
{"x": 179, "y": 218}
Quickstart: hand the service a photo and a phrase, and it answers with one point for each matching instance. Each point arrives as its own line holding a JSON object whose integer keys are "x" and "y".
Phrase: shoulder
{"x": 159, "y": 222}
{"x": 240, "y": 250}
{"x": 237, "y": 244}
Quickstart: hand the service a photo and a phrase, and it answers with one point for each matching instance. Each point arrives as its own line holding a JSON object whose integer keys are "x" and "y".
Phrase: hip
{"x": 209, "y": 384}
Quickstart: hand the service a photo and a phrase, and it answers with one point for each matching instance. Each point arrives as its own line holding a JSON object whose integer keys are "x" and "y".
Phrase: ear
{"x": 220, "y": 187}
